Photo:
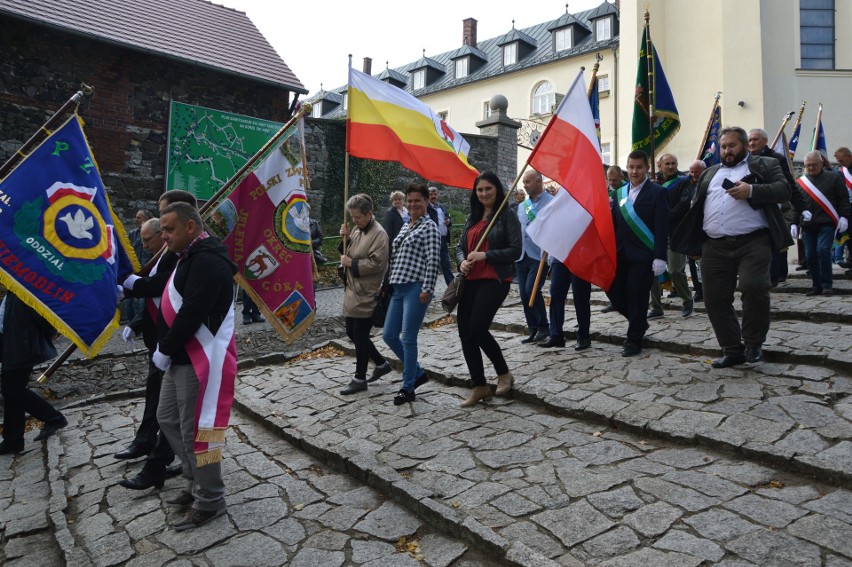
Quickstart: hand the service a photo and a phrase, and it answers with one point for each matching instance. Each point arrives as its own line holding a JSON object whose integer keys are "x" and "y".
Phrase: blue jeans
{"x": 818, "y": 252}
{"x": 536, "y": 315}
{"x": 561, "y": 279}
{"x": 402, "y": 323}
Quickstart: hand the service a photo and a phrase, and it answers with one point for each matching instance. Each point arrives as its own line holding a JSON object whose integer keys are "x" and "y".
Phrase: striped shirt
{"x": 416, "y": 251}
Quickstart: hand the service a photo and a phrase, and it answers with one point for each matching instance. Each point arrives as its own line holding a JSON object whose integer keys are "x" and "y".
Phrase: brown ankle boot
{"x": 504, "y": 384}
{"x": 478, "y": 393}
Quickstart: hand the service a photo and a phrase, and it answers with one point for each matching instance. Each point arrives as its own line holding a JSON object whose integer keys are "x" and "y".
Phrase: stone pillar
{"x": 500, "y": 126}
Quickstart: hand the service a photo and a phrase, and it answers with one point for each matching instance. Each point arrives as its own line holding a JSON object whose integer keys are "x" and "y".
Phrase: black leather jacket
{"x": 504, "y": 243}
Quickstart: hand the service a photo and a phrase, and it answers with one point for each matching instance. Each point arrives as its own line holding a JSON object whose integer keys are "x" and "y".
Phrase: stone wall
{"x": 127, "y": 117}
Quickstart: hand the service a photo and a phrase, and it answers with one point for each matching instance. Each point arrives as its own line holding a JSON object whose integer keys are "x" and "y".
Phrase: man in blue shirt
{"x": 527, "y": 264}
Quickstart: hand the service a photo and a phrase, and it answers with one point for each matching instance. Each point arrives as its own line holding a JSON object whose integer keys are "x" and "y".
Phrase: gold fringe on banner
{"x": 210, "y": 436}
{"x": 208, "y": 458}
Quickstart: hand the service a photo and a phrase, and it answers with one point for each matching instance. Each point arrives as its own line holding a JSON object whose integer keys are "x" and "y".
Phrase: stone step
{"x": 577, "y": 492}
{"x": 789, "y": 341}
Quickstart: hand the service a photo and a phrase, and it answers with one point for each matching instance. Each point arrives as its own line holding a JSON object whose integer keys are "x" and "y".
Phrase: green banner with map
{"x": 207, "y": 147}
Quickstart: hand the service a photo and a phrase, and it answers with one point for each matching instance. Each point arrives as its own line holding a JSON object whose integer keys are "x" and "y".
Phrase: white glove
{"x": 120, "y": 290}
{"x": 806, "y": 216}
{"x": 659, "y": 267}
{"x": 794, "y": 231}
{"x": 160, "y": 360}
{"x": 842, "y": 224}
{"x": 130, "y": 280}
{"x": 127, "y": 334}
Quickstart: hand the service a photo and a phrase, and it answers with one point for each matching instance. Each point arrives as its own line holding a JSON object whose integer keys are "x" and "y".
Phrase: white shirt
{"x": 442, "y": 227}
{"x": 726, "y": 216}
{"x": 633, "y": 191}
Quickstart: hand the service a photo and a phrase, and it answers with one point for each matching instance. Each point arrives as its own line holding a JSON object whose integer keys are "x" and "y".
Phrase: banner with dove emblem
{"x": 265, "y": 224}
{"x": 62, "y": 251}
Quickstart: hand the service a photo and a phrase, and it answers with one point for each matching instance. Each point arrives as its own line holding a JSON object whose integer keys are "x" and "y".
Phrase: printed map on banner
{"x": 207, "y": 147}
{"x": 265, "y": 223}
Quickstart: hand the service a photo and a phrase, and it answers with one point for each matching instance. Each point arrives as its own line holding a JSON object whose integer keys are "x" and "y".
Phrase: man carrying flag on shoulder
{"x": 197, "y": 352}
{"x": 826, "y": 212}
{"x": 844, "y": 158}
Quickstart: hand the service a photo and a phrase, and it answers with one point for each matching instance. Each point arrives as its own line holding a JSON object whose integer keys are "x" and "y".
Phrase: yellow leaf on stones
{"x": 298, "y": 507}
{"x": 597, "y": 434}
{"x": 325, "y": 352}
{"x": 776, "y": 484}
{"x": 419, "y": 557}
{"x": 455, "y": 503}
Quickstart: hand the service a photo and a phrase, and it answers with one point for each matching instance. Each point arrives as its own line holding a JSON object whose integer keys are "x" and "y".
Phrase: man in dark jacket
{"x": 439, "y": 215}
{"x": 827, "y": 211}
{"x": 26, "y": 341}
{"x": 196, "y": 351}
{"x": 640, "y": 214}
{"x": 736, "y": 220}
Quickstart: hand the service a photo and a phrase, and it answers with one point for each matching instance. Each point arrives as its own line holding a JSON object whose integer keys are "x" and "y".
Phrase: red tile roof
{"x": 194, "y": 31}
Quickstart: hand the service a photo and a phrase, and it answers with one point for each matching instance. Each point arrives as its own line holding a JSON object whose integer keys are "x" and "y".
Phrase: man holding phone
{"x": 737, "y": 222}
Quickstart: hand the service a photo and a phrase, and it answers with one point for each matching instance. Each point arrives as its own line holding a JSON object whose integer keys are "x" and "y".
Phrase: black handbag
{"x": 382, "y": 303}
{"x": 453, "y": 294}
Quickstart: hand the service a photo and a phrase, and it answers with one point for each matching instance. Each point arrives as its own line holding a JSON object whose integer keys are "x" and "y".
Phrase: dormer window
{"x": 563, "y": 39}
{"x": 510, "y": 53}
{"x": 316, "y": 110}
{"x": 418, "y": 79}
{"x": 462, "y": 67}
{"x": 603, "y": 29}
{"x": 345, "y": 101}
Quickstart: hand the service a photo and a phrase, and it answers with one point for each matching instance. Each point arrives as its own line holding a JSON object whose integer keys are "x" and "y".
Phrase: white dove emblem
{"x": 79, "y": 224}
{"x": 302, "y": 219}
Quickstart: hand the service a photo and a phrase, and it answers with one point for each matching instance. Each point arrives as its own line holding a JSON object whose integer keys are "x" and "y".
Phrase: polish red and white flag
{"x": 576, "y": 226}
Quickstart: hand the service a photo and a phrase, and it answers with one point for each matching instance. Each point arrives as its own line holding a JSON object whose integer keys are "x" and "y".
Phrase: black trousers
{"x": 358, "y": 331}
{"x": 696, "y": 281}
{"x": 629, "y": 294}
{"x": 19, "y": 400}
{"x": 146, "y": 434}
{"x": 723, "y": 262}
{"x": 478, "y": 306}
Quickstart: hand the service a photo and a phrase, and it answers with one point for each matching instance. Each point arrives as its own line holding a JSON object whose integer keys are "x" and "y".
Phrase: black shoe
{"x": 51, "y": 427}
{"x": 754, "y": 354}
{"x": 530, "y": 338}
{"x": 354, "y": 387}
{"x": 420, "y": 380}
{"x": 655, "y": 314}
{"x": 814, "y": 291}
{"x": 182, "y": 499}
{"x": 583, "y": 344}
{"x": 672, "y": 294}
{"x": 379, "y": 371}
{"x": 143, "y": 481}
{"x": 609, "y": 307}
{"x": 247, "y": 321}
{"x": 195, "y": 518}
{"x": 729, "y": 360}
{"x": 541, "y": 335}
{"x": 404, "y": 396}
{"x": 258, "y": 318}
{"x": 9, "y": 448}
{"x": 174, "y": 470}
{"x": 688, "y": 311}
{"x": 552, "y": 342}
{"x": 699, "y": 296}
{"x": 631, "y": 349}
{"x": 133, "y": 451}
{"x": 801, "y": 268}
{"x": 828, "y": 292}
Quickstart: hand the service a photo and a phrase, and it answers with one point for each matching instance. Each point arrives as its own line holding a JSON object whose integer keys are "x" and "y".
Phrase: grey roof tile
{"x": 194, "y": 31}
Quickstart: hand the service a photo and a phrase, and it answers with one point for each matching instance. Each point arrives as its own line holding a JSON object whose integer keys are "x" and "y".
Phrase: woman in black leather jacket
{"x": 488, "y": 273}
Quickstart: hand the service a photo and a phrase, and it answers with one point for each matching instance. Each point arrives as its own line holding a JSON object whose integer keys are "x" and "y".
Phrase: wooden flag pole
{"x": 203, "y": 211}
{"x": 784, "y": 121}
{"x": 709, "y": 124}
{"x": 649, "y": 55}
{"x": 538, "y": 276}
{"x": 346, "y": 174}
{"x": 45, "y": 130}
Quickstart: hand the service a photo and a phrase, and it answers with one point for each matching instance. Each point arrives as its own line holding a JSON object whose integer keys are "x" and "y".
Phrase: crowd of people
{"x": 730, "y": 224}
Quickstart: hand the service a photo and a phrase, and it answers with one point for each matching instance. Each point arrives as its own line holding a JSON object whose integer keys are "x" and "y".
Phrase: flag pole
{"x": 203, "y": 211}
{"x": 709, "y": 124}
{"x": 346, "y": 174}
{"x": 45, "y": 130}
{"x": 649, "y": 55}
{"x": 598, "y": 59}
{"x": 799, "y": 122}
{"x": 815, "y": 138}
{"x": 784, "y": 121}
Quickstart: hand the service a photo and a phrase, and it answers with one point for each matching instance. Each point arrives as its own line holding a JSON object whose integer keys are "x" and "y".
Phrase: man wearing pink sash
{"x": 197, "y": 352}
{"x": 826, "y": 212}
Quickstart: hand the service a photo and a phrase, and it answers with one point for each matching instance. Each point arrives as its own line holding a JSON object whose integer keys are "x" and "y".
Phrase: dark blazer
{"x": 766, "y": 195}
{"x": 151, "y": 286}
{"x": 27, "y": 336}
{"x": 504, "y": 243}
{"x": 432, "y": 211}
{"x": 652, "y": 206}
{"x": 392, "y": 223}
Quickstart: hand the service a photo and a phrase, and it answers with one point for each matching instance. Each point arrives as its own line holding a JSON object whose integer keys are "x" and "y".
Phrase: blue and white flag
{"x": 710, "y": 154}
{"x": 61, "y": 249}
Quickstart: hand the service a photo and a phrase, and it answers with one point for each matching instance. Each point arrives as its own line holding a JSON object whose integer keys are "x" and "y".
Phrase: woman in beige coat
{"x": 366, "y": 262}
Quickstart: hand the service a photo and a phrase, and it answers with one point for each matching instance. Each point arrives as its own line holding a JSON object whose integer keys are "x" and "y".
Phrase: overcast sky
{"x": 314, "y": 38}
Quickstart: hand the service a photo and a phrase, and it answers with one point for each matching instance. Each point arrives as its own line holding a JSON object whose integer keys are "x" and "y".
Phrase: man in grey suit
{"x": 736, "y": 220}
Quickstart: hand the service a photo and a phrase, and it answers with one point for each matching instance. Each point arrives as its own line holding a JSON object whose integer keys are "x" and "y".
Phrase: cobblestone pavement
{"x": 61, "y": 506}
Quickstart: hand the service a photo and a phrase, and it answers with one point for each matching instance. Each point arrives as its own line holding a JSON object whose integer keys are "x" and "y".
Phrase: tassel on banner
{"x": 210, "y": 436}
{"x": 208, "y": 458}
